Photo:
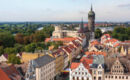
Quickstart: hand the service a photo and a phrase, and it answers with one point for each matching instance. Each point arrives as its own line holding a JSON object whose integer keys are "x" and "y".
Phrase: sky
{"x": 63, "y": 10}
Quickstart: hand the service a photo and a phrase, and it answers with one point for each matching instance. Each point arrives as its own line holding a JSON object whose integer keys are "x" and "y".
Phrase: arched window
{"x": 99, "y": 78}
{"x": 94, "y": 78}
{"x": 77, "y": 78}
{"x": 73, "y": 78}
{"x": 82, "y": 78}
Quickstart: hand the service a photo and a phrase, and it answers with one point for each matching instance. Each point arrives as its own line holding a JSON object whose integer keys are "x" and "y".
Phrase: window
{"x": 73, "y": 78}
{"x": 99, "y": 78}
{"x": 77, "y": 78}
{"x": 94, "y": 78}
{"x": 122, "y": 77}
{"x": 119, "y": 77}
{"x": 94, "y": 72}
{"x": 115, "y": 77}
{"x": 82, "y": 78}
{"x": 99, "y": 72}
{"x": 126, "y": 77}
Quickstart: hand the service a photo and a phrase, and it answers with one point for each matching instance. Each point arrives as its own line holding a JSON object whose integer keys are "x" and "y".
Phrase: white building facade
{"x": 80, "y": 73}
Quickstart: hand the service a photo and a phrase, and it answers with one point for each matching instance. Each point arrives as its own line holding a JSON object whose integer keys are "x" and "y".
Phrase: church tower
{"x": 91, "y": 23}
{"x": 91, "y": 20}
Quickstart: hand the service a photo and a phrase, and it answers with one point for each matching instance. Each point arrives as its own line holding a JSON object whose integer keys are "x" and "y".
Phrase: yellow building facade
{"x": 26, "y": 57}
{"x": 59, "y": 62}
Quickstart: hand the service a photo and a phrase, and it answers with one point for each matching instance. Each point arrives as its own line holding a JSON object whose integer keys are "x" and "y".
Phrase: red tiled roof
{"x": 106, "y": 35}
{"x": 117, "y": 44}
{"x": 3, "y": 75}
{"x": 111, "y": 40}
{"x": 66, "y": 39}
{"x": 12, "y": 72}
{"x": 80, "y": 40}
{"x": 86, "y": 65}
{"x": 95, "y": 53}
{"x": 58, "y": 51}
{"x": 88, "y": 60}
{"x": 74, "y": 65}
{"x": 127, "y": 42}
{"x": 67, "y": 49}
{"x": 71, "y": 46}
{"x": 75, "y": 43}
{"x": 95, "y": 42}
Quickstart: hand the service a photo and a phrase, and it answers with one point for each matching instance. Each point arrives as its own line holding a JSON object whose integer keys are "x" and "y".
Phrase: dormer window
{"x": 99, "y": 67}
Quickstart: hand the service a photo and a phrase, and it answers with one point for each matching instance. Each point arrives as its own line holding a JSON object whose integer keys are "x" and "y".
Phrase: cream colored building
{"x": 117, "y": 72}
{"x": 98, "y": 72}
{"x": 45, "y": 68}
{"x": 60, "y": 33}
{"x": 79, "y": 71}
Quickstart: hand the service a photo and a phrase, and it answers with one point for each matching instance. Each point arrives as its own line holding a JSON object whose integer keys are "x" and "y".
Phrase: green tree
{"x": 30, "y": 47}
{"x": 98, "y": 33}
{"x": 6, "y": 40}
{"x": 13, "y": 59}
{"x": 1, "y": 50}
{"x": 48, "y": 31}
{"x": 19, "y": 38}
{"x": 121, "y": 33}
{"x": 10, "y": 50}
{"x": 19, "y": 48}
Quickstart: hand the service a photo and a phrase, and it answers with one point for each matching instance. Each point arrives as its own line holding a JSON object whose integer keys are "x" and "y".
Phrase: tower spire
{"x": 91, "y": 7}
{"x": 81, "y": 30}
{"x": 82, "y": 23}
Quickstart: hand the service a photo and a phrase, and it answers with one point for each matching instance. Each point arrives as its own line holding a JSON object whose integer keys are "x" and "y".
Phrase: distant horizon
{"x": 62, "y": 21}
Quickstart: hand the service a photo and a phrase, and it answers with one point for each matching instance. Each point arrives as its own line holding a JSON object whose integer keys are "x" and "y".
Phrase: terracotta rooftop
{"x": 87, "y": 60}
{"x": 66, "y": 48}
{"x": 95, "y": 42}
{"x": 3, "y": 75}
{"x": 12, "y": 72}
{"x": 71, "y": 46}
{"x": 66, "y": 39}
{"x": 75, "y": 43}
{"x": 111, "y": 40}
{"x": 106, "y": 36}
{"x": 95, "y": 53}
{"x": 74, "y": 65}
